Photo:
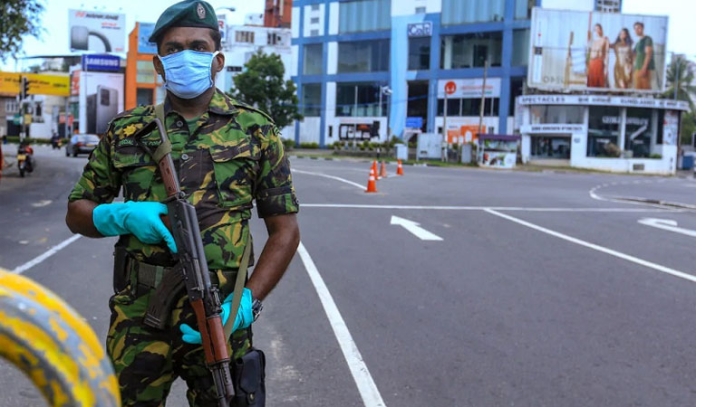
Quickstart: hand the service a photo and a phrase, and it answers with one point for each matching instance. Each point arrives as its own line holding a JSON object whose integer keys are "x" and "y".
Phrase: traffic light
{"x": 24, "y": 85}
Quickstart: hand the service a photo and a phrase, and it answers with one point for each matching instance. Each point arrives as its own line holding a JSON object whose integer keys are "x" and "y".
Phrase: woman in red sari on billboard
{"x": 598, "y": 56}
{"x": 624, "y": 59}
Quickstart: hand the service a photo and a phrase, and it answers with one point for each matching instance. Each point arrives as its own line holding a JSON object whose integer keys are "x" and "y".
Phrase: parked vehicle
{"x": 81, "y": 144}
{"x": 25, "y": 160}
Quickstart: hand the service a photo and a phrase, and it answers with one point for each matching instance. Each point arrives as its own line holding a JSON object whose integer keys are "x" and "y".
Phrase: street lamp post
{"x": 387, "y": 91}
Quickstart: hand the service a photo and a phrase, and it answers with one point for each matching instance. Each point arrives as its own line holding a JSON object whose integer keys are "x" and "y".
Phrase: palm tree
{"x": 680, "y": 78}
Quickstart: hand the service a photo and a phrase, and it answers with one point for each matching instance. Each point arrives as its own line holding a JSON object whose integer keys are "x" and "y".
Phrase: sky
{"x": 681, "y": 35}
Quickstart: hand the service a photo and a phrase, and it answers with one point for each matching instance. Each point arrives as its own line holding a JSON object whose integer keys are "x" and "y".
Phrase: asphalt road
{"x": 447, "y": 287}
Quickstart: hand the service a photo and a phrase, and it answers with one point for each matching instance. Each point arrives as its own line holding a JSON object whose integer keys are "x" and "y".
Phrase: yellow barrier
{"x": 55, "y": 348}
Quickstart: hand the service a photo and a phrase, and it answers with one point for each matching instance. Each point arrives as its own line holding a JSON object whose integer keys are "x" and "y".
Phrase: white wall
{"x": 309, "y": 130}
{"x": 308, "y": 26}
{"x": 404, "y": 8}
{"x": 334, "y": 18}
{"x": 332, "y": 52}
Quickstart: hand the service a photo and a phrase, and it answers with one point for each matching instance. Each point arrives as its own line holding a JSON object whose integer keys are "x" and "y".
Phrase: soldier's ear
{"x": 218, "y": 63}
{"x": 159, "y": 67}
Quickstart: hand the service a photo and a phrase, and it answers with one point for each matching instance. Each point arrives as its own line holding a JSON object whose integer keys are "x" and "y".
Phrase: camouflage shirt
{"x": 234, "y": 156}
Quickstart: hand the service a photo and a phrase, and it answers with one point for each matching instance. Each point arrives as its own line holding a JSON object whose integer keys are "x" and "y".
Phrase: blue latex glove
{"x": 142, "y": 219}
{"x": 244, "y": 317}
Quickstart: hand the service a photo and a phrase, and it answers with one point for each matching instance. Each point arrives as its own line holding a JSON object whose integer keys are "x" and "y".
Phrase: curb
{"x": 659, "y": 202}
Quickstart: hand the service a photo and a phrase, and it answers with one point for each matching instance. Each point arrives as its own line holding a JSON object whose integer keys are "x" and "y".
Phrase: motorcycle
{"x": 25, "y": 160}
{"x": 57, "y": 143}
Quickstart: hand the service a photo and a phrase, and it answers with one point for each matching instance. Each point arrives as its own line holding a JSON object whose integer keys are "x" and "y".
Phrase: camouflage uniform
{"x": 234, "y": 156}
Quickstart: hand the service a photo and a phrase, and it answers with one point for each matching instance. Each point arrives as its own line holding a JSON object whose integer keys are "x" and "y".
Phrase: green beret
{"x": 188, "y": 13}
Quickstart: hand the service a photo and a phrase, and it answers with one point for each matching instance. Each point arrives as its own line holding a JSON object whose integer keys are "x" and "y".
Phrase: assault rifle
{"x": 192, "y": 267}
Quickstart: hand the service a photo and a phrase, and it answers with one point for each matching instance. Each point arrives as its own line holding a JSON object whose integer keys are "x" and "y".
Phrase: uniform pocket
{"x": 138, "y": 171}
{"x": 235, "y": 169}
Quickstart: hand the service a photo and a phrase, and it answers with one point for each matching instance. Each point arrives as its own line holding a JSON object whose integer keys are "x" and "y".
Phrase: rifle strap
{"x": 239, "y": 284}
{"x": 165, "y": 147}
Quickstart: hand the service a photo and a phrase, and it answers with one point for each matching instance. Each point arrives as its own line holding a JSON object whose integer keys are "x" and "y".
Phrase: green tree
{"x": 262, "y": 85}
{"x": 18, "y": 18}
{"x": 687, "y": 128}
{"x": 680, "y": 78}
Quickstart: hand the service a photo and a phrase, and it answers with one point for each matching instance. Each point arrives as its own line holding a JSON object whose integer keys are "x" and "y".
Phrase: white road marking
{"x": 596, "y": 247}
{"x": 332, "y": 177}
{"x": 414, "y": 228}
{"x": 365, "y": 384}
{"x": 497, "y": 208}
{"x": 667, "y": 224}
{"x": 55, "y": 249}
{"x": 42, "y": 203}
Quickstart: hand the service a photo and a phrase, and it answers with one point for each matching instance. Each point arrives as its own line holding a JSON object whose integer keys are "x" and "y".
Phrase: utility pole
{"x": 444, "y": 156}
{"x": 483, "y": 106}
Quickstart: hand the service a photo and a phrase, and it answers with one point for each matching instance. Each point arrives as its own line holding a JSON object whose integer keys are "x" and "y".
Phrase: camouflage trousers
{"x": 148, "y": 360}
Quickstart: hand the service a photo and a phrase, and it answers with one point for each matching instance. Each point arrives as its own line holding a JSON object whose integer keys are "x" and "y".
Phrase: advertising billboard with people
{"x": 582, "y": 50}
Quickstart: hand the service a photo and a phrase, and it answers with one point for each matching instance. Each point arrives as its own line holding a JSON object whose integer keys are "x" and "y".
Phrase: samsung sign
{"x": 424, "y": 29}
{"x": 101, "y": 63}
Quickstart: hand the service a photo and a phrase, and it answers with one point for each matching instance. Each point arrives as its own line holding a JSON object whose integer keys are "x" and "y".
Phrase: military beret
{"x": 188, "y": 13}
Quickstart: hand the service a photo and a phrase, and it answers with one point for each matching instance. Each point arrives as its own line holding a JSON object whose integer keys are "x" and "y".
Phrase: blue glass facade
{"x": 398, "y": 76}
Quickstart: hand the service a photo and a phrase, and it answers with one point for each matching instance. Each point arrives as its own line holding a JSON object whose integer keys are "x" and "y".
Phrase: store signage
{"x": 101, "y": 63}
{"x": 593, "y": 100}
{"x": 553, "y": 128}
{"x": 424, "y": 29}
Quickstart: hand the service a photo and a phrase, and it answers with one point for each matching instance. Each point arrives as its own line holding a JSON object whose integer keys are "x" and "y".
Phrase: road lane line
{"x": 596, "y": 247}
{"x": 55, "y": 249}
{"x": 496, "y": 208}
{"x": 365, "y": 384}
{"x": 331, "y": 177}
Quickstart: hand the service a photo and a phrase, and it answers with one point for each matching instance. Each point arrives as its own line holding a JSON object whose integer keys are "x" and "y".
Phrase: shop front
{"x": 609, "y": 133}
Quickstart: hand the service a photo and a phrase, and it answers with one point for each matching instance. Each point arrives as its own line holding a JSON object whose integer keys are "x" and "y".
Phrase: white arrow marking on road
{"x": 667, "y": 224}
{"x": 413, "y": 228}
{"x": 42, "y": 203}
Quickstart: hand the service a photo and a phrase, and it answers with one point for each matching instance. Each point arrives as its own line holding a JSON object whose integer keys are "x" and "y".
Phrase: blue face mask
{"x": 188, "y": 73}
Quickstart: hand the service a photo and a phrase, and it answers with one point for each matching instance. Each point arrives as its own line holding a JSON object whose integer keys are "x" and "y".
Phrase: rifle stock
{"x": 203, "y": 297}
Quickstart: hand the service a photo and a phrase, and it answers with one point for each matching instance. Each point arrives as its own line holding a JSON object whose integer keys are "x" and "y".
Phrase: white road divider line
{"x": 365, "y": 384}
{"x": 596, "y": 247}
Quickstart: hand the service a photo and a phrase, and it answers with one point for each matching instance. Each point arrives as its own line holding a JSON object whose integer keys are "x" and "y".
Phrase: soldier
{"x": 226, "y": 155}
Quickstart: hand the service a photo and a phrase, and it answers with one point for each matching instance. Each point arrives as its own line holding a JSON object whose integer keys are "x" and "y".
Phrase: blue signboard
{"x": 144, "y": 32}
{"x": 101, "y": 62}
{"x": 413, "y": 122}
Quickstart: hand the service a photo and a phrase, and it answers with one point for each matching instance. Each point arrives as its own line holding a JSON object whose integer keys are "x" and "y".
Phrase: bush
{"x": 288, "y": 144}
{"x": 655, "y": 155}
{"x": 309, "y": 145}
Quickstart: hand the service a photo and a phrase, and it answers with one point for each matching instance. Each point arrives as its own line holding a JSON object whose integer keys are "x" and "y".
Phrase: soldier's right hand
{"x": 142, "y": 219}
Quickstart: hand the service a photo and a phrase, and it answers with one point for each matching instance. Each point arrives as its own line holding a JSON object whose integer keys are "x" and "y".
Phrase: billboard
{"x": 100, "y": 99}
{"x": 38, "y": 84}
{"x": 583, "y": 50}
{"x": 98, "y": 31}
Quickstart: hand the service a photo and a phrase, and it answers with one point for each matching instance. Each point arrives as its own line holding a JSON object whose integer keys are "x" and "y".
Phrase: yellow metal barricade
{"x": 51, "y": 343}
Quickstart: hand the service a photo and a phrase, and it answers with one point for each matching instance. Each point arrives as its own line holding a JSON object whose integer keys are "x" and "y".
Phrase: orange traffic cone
{"x": 400, "y": 168}
{"x": 371, "y": 182}
{"x": 375, "y": 169}
{"x": 383, "y": 173}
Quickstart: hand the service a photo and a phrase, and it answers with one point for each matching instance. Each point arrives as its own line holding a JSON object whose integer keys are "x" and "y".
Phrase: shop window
{"x": 521, "y": 47}
{"x": 363, "y": 56}
{"x": 360, "y": 99}
{"x": 522, "y": 9}
{"x": 364, "y": 15}
{"x": 472, "y": 11}
{"x": 471, "y": 50}
{"x": 311, "y": 99}
{"x": 603, "y": 135}
{"x": 468, "y": 107}
{"x": 419, "y": 53}
{"x": 312, "y": 54}
{"x": 555, "y": 114}
{"x": 638, "y": 132}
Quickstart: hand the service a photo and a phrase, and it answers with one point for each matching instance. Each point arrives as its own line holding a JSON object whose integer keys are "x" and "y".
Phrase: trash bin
{"x": 688, "y": 161}
{"x": 401, "y": 151}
